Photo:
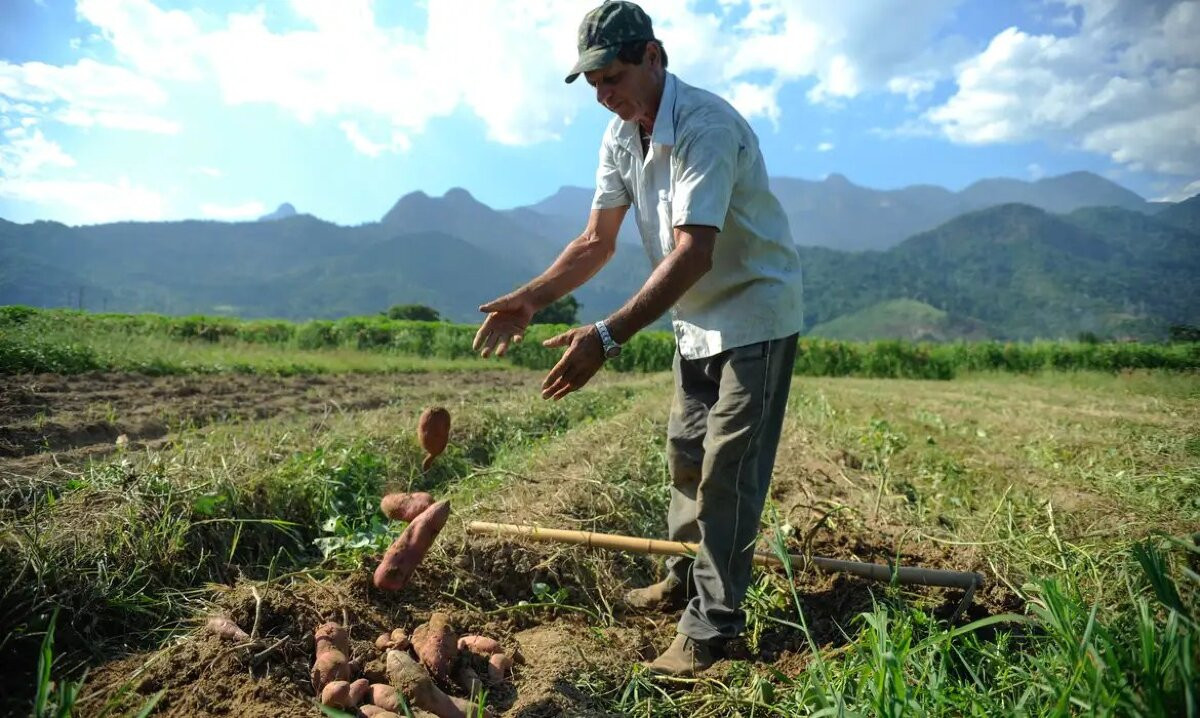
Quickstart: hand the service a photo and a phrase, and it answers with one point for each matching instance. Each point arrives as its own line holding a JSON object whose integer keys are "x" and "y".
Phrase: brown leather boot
{"x": 667, "y": 595}
{"x": 685, "y": 657}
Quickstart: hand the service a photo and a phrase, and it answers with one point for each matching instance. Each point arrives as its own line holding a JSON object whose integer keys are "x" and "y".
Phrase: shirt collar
{"x": 664, "y": 121}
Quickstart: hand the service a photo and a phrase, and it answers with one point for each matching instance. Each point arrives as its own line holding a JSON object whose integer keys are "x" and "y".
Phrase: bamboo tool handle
{"x": 965, "y": 580}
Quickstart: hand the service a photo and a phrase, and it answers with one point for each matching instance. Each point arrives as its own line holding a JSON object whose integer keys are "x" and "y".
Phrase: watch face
{"x": 613, "y": 352}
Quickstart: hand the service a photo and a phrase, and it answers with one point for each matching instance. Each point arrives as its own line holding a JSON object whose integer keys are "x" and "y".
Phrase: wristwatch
{"x": 612, "y": 350}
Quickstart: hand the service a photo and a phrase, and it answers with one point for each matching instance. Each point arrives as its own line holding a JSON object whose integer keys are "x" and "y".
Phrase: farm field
{"x": 139, "y": 505}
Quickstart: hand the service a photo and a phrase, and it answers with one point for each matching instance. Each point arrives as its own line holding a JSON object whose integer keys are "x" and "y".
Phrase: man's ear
{"x": 654, "y": 53}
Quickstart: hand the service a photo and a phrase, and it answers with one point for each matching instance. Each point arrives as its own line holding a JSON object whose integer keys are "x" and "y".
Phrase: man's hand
{"x": 579, "y": 363}
{"x": 508, "y": 318}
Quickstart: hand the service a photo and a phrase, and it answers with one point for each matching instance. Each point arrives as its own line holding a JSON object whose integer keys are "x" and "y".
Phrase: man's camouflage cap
{"x": 603, "y": 32}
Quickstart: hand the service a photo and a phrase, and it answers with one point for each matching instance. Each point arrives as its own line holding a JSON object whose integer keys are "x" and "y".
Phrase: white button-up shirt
{"x": 704, "y": 167}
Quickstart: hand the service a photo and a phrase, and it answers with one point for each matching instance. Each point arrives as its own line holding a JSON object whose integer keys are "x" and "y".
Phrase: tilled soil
{"x": 568, "y": 654}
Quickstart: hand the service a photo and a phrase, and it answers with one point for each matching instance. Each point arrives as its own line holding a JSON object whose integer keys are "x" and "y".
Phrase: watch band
{"x": 606, "y": 339}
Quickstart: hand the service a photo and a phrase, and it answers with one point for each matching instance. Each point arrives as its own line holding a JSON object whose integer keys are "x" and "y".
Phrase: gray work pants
{"x": 722, "y": 435}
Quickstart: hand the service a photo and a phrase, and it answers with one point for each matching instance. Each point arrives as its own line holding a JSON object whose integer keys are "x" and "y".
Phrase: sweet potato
{"x": 499, "y": 665}
{"x": 227, "y": 629}
{"x": 358, "y": 691}
{"x": 383, "y": 696}
{"x": 436, "y": 646}
{"x": 371, "y": 711}
{"x": 433, "y": 431}
{"x": 468, "y": 679}
{"x": 334, "y": 635}
{"x": 333, "y": 643}
{"x": 336, "y": 694}
{"x": 405, "y": 507}
{"x": 481, "y": 646}
{"x": 409, "y": 678}
{"x": 329, "y": 666}
{"x": 397, "y": 639}
{"x": 406, "y": 553}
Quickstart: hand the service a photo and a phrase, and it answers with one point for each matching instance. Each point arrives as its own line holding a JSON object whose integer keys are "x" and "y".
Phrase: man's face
{"x": 628, "y": 90}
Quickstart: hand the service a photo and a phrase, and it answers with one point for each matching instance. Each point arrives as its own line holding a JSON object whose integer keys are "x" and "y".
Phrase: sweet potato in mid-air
{"x": 405, "y": 507}
{"x": 433, "y": 431}
{"x": 436, "y": 646}
{"x": 406, "y": 553}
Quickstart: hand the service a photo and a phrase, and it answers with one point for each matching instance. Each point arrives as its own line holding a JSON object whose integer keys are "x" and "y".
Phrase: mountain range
{"x": 1002, "y": 258}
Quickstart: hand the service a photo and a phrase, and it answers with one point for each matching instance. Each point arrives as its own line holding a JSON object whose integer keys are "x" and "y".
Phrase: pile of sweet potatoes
{"x": 439, "y": 661}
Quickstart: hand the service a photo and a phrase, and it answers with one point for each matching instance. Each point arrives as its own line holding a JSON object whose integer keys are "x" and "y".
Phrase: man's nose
{"x": 602, "y": 94}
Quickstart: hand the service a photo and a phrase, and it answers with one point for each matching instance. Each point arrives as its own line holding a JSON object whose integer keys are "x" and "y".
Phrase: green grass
{"x": 1076, "y": 492}
{"x": 33, "y": 340}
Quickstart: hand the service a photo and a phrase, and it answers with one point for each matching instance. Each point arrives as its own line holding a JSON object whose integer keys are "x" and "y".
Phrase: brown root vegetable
{"x": 413, "y": 681}
{"x": 358, "y": 691}
{"x": 499, "y": 665}
{"x": 332, "y": 635}
{"x": 481, "y": 646}
{"x": 436, "y": 646}
{"x": 383, "y": 696}
{"x": 371, "y": 711}
{"x": 397, "y": 639}
{"x": 468, "y": 679}
{"x": 405, "y": 507}
{"x": 336, "y": 694}
{"x": 406, "y": 553}
{"x": 227, "y": 629}
{"x": 433, "y": 431}
{"x": 330, "y": 666}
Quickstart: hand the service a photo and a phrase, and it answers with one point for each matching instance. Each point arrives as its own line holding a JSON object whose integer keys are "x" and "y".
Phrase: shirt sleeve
{"x": 705, "y": 171}
{"x": 610, "y": 186}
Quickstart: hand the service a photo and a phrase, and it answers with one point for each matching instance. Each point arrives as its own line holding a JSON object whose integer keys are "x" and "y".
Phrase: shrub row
{"x": 648, "y": 351}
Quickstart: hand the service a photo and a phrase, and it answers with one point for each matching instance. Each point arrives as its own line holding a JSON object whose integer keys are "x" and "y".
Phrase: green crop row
{"x": 57, "y": 340}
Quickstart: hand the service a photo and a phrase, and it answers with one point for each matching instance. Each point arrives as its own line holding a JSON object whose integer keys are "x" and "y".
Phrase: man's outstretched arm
{"x": 509, "y": 316}
{"x": 679, "y": 270}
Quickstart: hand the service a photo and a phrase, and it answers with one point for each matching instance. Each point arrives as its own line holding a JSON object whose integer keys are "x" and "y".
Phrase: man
{"x": 725, "y": 265}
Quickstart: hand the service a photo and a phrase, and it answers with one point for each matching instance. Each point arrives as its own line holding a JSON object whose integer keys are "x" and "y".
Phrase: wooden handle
{"x": 875, "y": 571}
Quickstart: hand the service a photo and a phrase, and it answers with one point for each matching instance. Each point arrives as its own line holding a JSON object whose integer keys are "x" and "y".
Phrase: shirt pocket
{"x": 666, "y": 224}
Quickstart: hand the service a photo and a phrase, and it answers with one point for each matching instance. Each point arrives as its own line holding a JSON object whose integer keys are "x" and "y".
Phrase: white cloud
{"x": 24, "y": 153}
{"x": 85, "y": 201}
{"x": 825, "y": 147}
{"x": 1036, "y": 171}
{"x": 245, "y": 210}
{"x": 398, "y": 142}
{"x": 1127, "y": 85}
{"x": 504, "y": 60}
{"x": 1187, "y": 191}
{"x": 86, "y": 93}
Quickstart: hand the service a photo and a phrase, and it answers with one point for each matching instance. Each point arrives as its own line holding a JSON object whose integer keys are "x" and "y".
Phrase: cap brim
{"x": 593, "y": 59}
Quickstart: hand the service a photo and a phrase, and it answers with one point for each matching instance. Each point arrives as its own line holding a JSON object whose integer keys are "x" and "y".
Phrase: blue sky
{"x": 163, "y": 109}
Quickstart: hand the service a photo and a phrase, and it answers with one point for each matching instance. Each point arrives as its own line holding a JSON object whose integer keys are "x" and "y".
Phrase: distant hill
{"x": 284, "y": 211}
{"x": 839, "y": 214}
{"x": 1010, "y": 271}
{"x": 905, "y": 319}
{"x": 1185, "y": 214}
{"x": 1024, "y": 272}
